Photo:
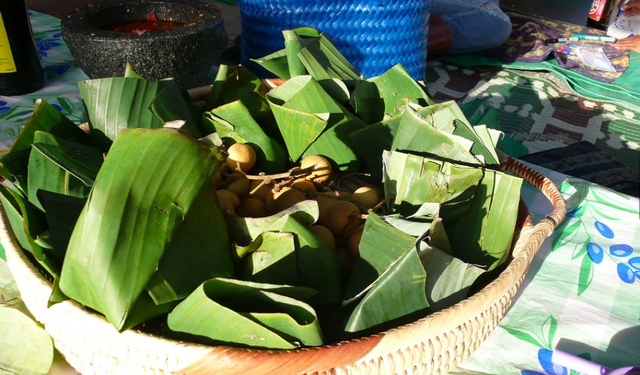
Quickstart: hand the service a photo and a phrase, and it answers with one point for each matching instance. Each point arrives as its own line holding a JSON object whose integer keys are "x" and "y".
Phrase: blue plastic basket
{"x": 373, "y": 35}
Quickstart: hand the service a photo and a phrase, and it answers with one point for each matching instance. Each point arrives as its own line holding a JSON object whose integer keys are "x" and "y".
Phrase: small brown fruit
{"x": 228, "y": 195}
{"x": 239, "y": 185}
{"x": 241, "y": 156}
{"x": 252, "y": 207}
{"x": 216, "y": 178}
{"x": 353, "y": 244}
{"x": 322, "y": 168}
{"x": 366, "y": 197}
{"x": 304, "y": 185}
{"x": 228, "y": 201}
{"x": 325, "y": 200}
{"x": 283, "y": 199}
{"x": 325, "y": 235}
{"x": 341, "y": 218}
{"x": 259, "y": 190}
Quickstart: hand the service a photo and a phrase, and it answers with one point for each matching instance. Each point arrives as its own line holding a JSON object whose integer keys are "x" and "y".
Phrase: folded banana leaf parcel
{"x": 127, "y": 218}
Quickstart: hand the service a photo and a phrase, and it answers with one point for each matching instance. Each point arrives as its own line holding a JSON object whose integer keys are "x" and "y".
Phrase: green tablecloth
{"x": 582, "y": 293}
{"x": 538, "y": 112}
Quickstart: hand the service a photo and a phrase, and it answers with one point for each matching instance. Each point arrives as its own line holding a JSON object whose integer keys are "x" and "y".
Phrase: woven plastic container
{"x": 373, "y": 35}
{"x": 435, "y": 344}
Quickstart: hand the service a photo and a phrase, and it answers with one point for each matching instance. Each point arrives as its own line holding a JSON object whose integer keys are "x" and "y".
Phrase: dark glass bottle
{"x": 20, "y": 69}
{"x": 599, "y": 14}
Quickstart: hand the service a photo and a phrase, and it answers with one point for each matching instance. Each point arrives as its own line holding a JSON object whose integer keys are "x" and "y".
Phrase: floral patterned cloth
{"x": 59, "y": 89}
{"x": 582, "y": 291}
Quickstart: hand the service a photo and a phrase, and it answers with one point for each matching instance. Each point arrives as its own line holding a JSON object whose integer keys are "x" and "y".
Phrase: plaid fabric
{"x": 584, "y": 160}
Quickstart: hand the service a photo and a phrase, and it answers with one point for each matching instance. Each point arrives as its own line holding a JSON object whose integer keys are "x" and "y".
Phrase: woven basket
{"x": 373, "y": 35}
{"x": 432, "y": 345}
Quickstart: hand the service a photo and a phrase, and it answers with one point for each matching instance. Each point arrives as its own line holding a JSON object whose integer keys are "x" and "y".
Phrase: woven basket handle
{"x": 546, "y": 226}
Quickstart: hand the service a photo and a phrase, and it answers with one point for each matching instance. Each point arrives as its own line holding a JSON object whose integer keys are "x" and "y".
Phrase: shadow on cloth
{"x": 627, "y": 352}
{"x": 584, "y": 160}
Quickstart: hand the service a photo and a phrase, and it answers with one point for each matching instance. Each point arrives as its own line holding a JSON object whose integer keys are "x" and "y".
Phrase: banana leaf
{"x": 26, "y": 347}
{"x": 14, "y": 163}
{"x": 414, "y": 180}
{"x": 60, "y": 166}
{"x": 387, "y": 95}
{"x": 62, "y": 212}
{"x": 272, "y": 260}
{"x": 129, "y": 72}
{"x": 244, "y": 230}
{"x": 484, "y": 147}
{"x": 438, "y": 238}
{"x": 145, "y": 188}
{"x": 304, "y": 111}
{"x": 490, "y": 138}
{"x": 240, "y": 252}
{"x": 443, "y": 115}
{"x": 318, "y": 267}
{"x": 293, "y": 45}
{"x": 239, "y": 84}
{"x": 170, "y": 105}
{"x": 315, "y": 51}
{"x": 449, "y": 118}
{"x": 248, "y": 314}
{"x": 485, "y": 234}
{"x": 234, "y": 121}
{"x": 370, "y": 142}
{"x": 30, "y": 229}
{"x": 337, "y": 89}
{"x": 416, "y": 136}
{"x": 397, "y": 293}
{"x": 379, "y": 136}
{"x": 232, "y": 84}
{"x": 118, "y": 103}
{"x": 449, "y": 278}
{"x": 415, "y": 228}
{"x": 373, "y": 139}
{"x": 199, "y": 250}
{"x": 275, "y": 63}
{"x": 46, "y": 118}
{"x": 80, "y": 161}
{"x": 367, "y": 102}
{"x": 428, "y": 226}
{"x": 336, "y": 142}
{"x": 324, "y": 61}
{"x": 299, "y": 129}
{"x": 380, "y": 246}
{"x": 14, "y": 167}
{"x": 27, "y": 224}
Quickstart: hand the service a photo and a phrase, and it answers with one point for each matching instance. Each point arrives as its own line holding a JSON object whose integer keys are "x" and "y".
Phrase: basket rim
{"x": 460, "y": 319}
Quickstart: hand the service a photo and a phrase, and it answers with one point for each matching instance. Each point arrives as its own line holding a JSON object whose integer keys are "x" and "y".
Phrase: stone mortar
{"x": 186, "y": 53}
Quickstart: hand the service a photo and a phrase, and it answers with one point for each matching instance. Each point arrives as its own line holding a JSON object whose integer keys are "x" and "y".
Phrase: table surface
{"x": 580, "y": 295}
